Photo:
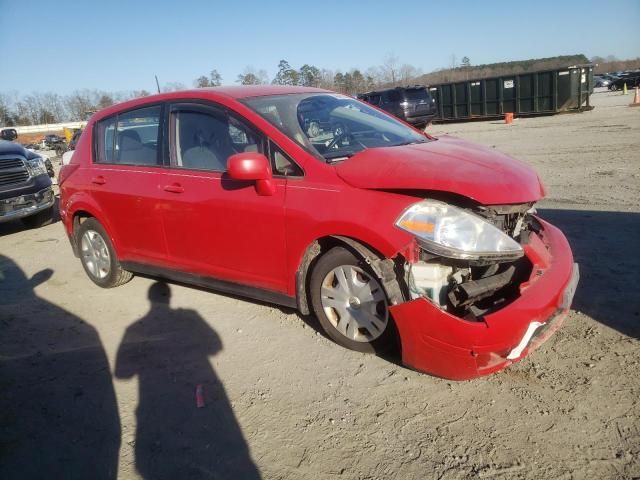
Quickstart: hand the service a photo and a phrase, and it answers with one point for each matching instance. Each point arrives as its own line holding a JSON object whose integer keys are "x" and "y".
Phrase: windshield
{"x": 333, "y": 126}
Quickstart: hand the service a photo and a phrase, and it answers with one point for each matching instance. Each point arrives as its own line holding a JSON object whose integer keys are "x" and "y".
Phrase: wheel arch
{"x": 384, "y": 268}
{"x": 83, "y": 209}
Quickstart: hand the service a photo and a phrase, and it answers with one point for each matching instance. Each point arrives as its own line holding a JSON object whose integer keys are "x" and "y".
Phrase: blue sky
{"x": 119, "y": 45}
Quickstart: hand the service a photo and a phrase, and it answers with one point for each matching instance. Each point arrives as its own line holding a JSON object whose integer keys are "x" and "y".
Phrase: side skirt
{"x": 255, "y": 293}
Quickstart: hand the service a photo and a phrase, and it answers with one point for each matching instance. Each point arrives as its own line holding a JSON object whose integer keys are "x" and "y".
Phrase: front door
{"x": 216, "y": 226}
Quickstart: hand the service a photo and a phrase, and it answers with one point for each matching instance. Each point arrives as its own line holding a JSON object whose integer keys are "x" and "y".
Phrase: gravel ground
{"x": 101, "y": 383}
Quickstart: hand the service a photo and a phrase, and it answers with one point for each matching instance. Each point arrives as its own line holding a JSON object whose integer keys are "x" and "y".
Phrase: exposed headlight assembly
{"x": 36, "y": 166}
{"x": 449, "y": 231}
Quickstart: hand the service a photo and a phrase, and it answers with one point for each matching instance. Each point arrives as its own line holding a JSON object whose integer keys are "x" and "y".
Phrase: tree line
{"x": 43, "y": 108}
{"x": 49, "y": 107}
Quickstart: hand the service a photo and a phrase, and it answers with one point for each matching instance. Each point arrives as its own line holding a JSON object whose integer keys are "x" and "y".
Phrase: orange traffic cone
{"x": 636, "y": 99}
{"x": 508, "y": 118}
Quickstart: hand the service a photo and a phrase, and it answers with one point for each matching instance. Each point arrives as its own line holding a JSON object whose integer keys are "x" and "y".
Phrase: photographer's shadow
{"x": 58, "y": 411}
{"x": 169, "y": 351}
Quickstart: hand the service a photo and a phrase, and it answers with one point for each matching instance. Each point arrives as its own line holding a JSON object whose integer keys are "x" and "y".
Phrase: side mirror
{"x": 253, "y": 167}
{"x": 9, "y": 134}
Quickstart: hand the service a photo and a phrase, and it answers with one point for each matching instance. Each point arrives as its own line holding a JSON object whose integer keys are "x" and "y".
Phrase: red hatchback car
{"x": 317, "y": 201}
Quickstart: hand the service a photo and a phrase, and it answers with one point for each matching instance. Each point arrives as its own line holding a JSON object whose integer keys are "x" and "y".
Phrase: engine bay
{"x": 470, "y": 289}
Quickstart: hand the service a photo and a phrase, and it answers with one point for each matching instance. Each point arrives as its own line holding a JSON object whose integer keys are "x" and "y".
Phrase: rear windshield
{"x": 417, "y": 94}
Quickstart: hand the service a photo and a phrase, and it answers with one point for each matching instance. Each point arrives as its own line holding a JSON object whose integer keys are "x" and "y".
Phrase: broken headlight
{"x": 449, "y": 231}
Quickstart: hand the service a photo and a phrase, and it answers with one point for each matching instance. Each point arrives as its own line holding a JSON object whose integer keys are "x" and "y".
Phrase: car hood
{"x": 446, "y": 164}
{"x": 12, "y": 148}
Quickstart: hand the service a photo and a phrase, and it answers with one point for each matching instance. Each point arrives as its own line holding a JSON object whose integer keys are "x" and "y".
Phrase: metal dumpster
{"x": 532, "y": 93}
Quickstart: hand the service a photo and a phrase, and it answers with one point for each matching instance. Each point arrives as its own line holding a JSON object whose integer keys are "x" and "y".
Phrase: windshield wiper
{"x": 336, "y": 157}
{"x": 410, "y": 142}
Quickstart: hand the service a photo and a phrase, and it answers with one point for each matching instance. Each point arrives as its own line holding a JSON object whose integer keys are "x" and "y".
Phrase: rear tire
{"x": 350, "y": 303}
{"x": 98, "y": 257}
{"x": 40, "y": 219}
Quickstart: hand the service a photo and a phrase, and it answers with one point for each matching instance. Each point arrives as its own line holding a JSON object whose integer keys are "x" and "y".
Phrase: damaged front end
{"x": 471, "y": 285}
{"x": 484, "y": 282}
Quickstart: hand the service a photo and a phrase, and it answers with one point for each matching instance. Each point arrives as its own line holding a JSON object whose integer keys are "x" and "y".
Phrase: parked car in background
{"x": 53, "y": 139}
{"x": 25, "y": 186}
{"x": 609, "y": 77}
{"x": 600, "y": 81}
{"x": 414, "y": 105}
{"x": 632, "y": 81}
{"x": 388, "y": 235}
{"x": 8, "y": 134}
{"x": 55, "y": 142}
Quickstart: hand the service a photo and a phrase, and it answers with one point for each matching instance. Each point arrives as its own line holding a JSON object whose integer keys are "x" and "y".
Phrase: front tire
{"x": 98, "y": 257}
{"x": 350, "y": 303}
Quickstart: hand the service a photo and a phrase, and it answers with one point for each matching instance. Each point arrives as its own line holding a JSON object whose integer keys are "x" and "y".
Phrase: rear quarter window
{"x": 392, "y": 96}
{"x": 417, "y": 94}
{"x": 129, "y": 138}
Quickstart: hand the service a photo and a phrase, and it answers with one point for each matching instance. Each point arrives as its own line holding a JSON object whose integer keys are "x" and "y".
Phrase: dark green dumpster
{"x": 532, "y": 93}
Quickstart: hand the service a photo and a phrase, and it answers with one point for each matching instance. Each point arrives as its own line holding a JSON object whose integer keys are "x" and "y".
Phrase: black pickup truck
{"x": 25, "y": 186}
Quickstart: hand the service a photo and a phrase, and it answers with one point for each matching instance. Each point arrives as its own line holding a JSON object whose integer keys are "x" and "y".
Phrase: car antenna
{"x": 157, "y": 84}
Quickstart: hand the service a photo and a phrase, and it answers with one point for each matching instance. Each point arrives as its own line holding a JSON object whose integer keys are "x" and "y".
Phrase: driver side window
{"x": 205, "y": 139}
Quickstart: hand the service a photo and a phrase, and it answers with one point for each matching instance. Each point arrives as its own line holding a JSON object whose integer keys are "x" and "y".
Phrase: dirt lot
{"x": 95, "y": 383}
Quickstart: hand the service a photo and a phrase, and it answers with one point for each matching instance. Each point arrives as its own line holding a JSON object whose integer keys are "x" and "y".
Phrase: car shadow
{"x": 58, "y": 410}
{"x": 605, "y": 246}
{"x": 231, "y": 184}
{"x": 185, "y": 425}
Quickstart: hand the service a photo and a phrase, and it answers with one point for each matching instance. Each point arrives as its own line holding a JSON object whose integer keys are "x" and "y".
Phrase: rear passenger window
{"x": 374, "y": 99}
{"x": 204, "y": 141}
{"x": 393, "y": 96}
{"x": 130, "y": 138}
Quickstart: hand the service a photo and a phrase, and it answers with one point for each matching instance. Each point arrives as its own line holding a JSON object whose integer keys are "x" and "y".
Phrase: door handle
{"x": 99, "y": 180}
{"x": 174, "y": 188}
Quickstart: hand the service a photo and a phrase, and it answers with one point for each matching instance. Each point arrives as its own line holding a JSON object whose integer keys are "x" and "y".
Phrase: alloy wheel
{"x": 95, "y": 254}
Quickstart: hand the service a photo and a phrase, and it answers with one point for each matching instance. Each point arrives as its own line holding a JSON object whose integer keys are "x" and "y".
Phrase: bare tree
{"x": 216, "y": 78}
{"x": 326, "y": 79}
{"x": 454, "y": 61}
{"x": 407, "y": 74}
{"x": 390, "y": 68}
{"x": 374, "y": 76}
{"x": 251, "y": 76}
{"x": 173, "y": 86}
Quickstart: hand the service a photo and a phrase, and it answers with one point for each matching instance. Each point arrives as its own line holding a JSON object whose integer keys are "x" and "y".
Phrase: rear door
{"x": 125, "y": 180}
{"x": 214, "y": 225}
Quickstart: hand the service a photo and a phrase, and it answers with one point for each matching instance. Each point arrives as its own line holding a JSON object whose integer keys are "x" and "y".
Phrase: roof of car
{"x": 391, "y": 89}
{"x": 234, "y": 92}
{"x": 245, "y": 91}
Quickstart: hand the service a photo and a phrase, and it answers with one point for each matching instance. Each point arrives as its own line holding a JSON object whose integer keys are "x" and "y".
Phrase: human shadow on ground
{"x": 605, "y": 244}
{"x": 58, "y": 411}
{"x": 168, "y": 350}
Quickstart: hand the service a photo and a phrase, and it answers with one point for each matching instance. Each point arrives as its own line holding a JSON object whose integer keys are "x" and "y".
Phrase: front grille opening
{"x": 13, "y": 171}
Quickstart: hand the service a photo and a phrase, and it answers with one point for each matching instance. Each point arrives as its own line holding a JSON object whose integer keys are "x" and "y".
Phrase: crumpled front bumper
{"x": 441, "y": 344}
